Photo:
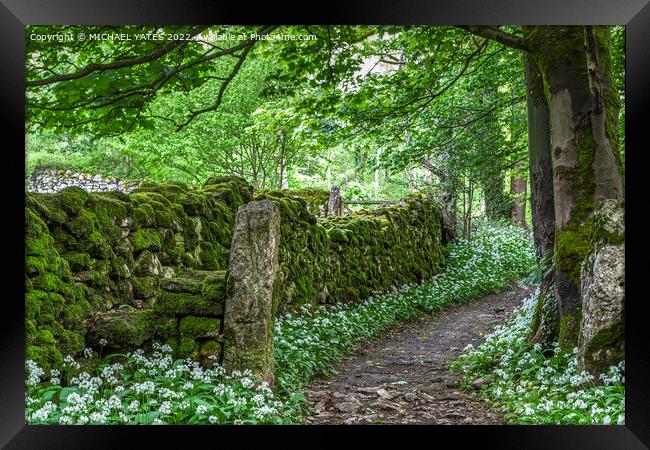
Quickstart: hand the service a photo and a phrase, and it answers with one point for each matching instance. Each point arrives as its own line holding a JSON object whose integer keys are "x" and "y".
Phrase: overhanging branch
{"x": 493, "y": 33}
{"x": 129, "y": 62}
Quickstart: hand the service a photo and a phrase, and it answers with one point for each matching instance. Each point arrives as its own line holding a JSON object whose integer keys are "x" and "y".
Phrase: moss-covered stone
{"x": 147, "y": 264}
{"x": 145, "y": 287}
{"x": 121, "y": 328}
{"x": 47, "y": 357}
{"x": 209, "y": 349}
{"x": 213, "y": 289}
{"x": 77, "y": 261}
{"x": 181, "y": 284}
{"x": 199, "y": 327}
{"x": 88, "y": 253}
{"x": 72, "y": 199}
{"x": 346, "y": 258}
{"x": 606, "y": 348}
{"x": 187, "y": 348}
{"x": 184, "y": 304}
{"x": 146, "y": 239}
{"x": 212, "y": 256}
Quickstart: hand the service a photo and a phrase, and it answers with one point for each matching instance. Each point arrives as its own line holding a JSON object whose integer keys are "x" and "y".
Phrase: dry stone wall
{"x": 343, "y": 259}
{"x": 128, "y": 268}
{"x": 49, "y": 181}
{"x": 118, "y": 271}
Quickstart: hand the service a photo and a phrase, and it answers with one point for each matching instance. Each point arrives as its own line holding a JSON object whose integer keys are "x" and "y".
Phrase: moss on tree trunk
{"x": 576, "y": 65}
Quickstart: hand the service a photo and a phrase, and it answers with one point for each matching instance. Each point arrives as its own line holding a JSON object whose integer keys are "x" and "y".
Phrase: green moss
{"x": 44, "y": 207}
{"x": 163, "y": 217}
{"x": 77, "y": 261}
{"x": 74, "y": 312}
{"x": 38, "y": 241}
{"x": 44, "y": 338}
{"x": 119, "y": 268}
{"x": 199, "y": 327}
{"x": 606, "y": 348}
{"x": 72, "y": 199}
{"x": 183, "y": 304}
{"x": 570, "y": 330}
{"x": 210, "y": 348}
{"x": 109, "y": 211}
{"x": 97, "y": 246}
{"x": 52, "y": 283}
{"x": 122, "y": 328}
{"x": 571, "y": 248}
{"x": 143, "y": 216}
{"x": 47, "y": 357}
{"x": 83, "y": 224}
{"x": 146, "y": 239}
{"x": 212, "y": 256}
{"x": 30, "y": 331}
{"x": 337, "y": 235}
{"x": 213, "y": 289}
{"x": 64, "y": 241}
{"x": 35, "y": 265}
{"x": 144, "y": 287}
{"x": 163, "y": 327}
{"x": 181, "y": 284}
{"x": 187, "y": 348}
{"x": 537, "y": 317}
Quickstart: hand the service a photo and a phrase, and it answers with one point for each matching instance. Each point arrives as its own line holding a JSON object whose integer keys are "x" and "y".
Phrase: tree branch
{"x": 489, "y": 32}
{"x": 90, "y": 68}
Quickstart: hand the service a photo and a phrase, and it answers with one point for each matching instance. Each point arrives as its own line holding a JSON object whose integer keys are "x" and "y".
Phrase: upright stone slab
{"x": 249, "y": 311}
{"x": 602, "y": 332}
{"x": 334, "y": 206}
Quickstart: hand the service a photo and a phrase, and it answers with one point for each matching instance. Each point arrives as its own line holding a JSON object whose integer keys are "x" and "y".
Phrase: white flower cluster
{"x": 533, "y": 388}
{"x": 152, "y": 389}
{"x": 615, "y": 374}
{"x": 33, "y": 372}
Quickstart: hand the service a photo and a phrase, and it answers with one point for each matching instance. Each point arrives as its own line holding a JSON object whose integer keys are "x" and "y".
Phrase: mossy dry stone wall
{"x": 119, "y": 270}
{"x": 343, "y": 259}
{"x": 128, "y": 268}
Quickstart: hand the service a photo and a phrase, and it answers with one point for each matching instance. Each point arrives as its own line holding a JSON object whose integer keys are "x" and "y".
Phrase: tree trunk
{"x": 497, "y": 206}
{"x": 518, "y": 192}
{"x": 576, "y": 64}
{"x": 449, "y": 199}
{"x": 284, "y": 183}
{"x": 377, "y": 173}
{"x": 544, "y": 327}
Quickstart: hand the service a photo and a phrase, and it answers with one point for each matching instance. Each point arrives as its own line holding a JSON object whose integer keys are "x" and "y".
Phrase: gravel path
{"x": 403, "y": 377}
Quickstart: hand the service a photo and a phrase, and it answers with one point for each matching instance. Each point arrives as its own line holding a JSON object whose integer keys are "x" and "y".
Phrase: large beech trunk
{"x": 575, "y": 63}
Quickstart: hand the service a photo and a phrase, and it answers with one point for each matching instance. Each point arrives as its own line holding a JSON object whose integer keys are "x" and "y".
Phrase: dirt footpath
{"x": 403, "y": 377}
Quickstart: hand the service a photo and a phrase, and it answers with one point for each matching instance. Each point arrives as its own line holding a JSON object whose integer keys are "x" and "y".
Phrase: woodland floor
{"x": 403, "y": 377}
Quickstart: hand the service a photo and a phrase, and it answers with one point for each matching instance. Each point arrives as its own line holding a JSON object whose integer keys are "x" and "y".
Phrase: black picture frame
{"x": 16, "y": 14}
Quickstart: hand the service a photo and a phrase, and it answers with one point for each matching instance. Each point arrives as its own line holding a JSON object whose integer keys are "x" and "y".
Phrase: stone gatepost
{"x": 335, "y": 202}
{"x": 249, "y": 310}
